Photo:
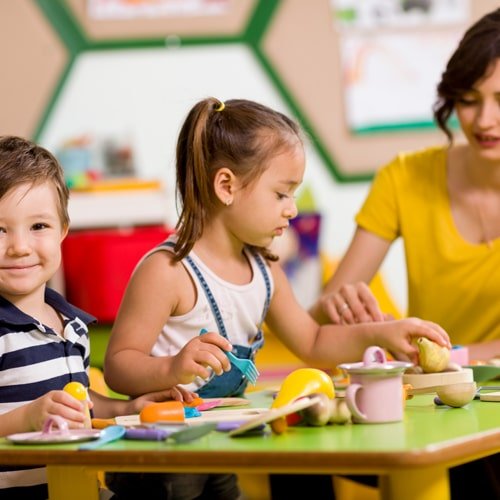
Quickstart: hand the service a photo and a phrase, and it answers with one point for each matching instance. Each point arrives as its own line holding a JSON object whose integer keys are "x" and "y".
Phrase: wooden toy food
{"x": 432, "y": 357}
{"x": 457, "y": 395}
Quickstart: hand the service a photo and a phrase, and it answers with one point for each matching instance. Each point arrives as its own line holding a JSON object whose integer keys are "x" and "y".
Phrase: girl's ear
{"x": 224, "y": 185}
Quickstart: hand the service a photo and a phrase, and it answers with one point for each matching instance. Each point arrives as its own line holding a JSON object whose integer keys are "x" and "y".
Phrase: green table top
{"x": 428, "y": 434}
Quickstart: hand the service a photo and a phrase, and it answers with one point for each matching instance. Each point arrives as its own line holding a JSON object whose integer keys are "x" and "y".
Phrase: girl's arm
{"x": 104, "y": 407}
{"x": 349, "y": 284}
{"x": 158, "y": 289}
{"x": 330, "y": 345}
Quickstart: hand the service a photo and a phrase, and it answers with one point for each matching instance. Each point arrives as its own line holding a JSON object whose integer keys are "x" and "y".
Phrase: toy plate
{"x": 70, "y": 436}
{"x": 484, "y": 372}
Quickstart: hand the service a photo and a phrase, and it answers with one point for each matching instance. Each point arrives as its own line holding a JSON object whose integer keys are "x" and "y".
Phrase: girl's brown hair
{"x": 470, "y": 62}
{"x": 240, "y": 135}
{"x": 24, "y": 162}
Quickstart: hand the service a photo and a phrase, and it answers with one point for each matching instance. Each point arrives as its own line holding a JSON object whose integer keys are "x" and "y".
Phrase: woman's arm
{"x": 484, "y": 351}
{"x": 349, "y": 284}
{"x": 105, "y": 407}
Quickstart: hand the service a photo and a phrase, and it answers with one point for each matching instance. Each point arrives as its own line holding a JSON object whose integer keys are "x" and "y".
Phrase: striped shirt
{"x": 35, "y": 360}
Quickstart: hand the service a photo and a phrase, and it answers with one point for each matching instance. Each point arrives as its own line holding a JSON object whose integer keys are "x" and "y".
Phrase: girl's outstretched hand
{"x": 176, "y": 393}
{"x": 397, "y": 337}
{"x": 351, "y": 304}
{"x": 199, "y": 356}
{"x": 58, "y": 403}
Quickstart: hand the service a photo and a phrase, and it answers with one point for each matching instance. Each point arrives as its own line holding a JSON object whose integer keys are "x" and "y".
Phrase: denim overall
{"x": 231, "y": 383}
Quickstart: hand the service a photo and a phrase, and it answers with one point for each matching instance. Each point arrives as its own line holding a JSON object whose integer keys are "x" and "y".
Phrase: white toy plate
{"x": 70, "y": 436}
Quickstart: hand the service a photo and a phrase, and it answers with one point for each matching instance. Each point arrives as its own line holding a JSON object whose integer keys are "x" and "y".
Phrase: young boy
{"x": 44, "y": 340}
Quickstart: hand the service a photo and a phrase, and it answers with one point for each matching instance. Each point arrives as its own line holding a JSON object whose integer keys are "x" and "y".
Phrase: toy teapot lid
{"x": 375, "y": 363}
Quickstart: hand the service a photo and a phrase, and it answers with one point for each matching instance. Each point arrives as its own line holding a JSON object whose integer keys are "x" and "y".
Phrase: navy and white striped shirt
{"x": 35, "y": 360}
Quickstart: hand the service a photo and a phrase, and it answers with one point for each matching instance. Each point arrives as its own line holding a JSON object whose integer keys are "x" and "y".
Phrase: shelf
{"x": 117, "y": 208}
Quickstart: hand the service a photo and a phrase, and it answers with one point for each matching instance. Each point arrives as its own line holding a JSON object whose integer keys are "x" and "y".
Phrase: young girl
{"x": 239, "y": 164}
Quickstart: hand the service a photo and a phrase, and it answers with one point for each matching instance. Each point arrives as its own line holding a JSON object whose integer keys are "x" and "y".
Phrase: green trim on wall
{"x": 68, "y": 29}
{"x": 64, "y": 24}
{"x": 260, "y": 20}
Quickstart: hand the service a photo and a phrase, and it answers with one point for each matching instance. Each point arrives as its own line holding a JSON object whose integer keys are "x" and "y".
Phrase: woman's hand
{"x": 351, "y": 304}
{"x": 397, "y": 337}
{"x": 200, "y": 355}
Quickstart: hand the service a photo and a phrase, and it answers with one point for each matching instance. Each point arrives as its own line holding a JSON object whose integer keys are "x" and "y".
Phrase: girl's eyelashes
{"x": 286, "y": 196}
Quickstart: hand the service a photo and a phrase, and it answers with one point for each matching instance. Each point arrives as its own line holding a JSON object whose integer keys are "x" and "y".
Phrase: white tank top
{"x": 241, "y": 307}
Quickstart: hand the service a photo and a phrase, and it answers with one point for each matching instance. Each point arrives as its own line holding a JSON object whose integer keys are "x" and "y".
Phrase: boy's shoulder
{"x": 12, "y": 318}
{"x": 60, "y": 304}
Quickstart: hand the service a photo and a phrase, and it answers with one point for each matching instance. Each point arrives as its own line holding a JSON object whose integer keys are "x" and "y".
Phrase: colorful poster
{"x": 392, "y": 55}
{"x": 133, "y": 9}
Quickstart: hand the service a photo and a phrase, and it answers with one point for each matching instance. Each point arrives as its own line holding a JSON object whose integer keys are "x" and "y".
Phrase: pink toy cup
{"x": 375, "y": 394}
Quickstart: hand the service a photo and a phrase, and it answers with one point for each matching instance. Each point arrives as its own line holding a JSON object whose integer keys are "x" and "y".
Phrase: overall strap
{"x": 211, "y": 299}
{"x": 267, "y": 281}
{"x": 206, "y": 289}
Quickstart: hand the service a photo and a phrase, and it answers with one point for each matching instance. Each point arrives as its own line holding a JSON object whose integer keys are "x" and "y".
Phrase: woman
{"x": 444, "y": 201}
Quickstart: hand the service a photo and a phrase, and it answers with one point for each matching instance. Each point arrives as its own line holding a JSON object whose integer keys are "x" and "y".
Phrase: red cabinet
{"x": 98, "y": 263}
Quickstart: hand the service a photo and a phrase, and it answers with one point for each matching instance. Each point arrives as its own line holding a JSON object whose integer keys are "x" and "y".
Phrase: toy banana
{"x": 300, "y": 383}
{"x": 433, "y": 357}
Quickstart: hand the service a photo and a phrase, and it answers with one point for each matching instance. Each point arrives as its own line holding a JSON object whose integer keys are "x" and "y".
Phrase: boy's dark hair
{"x": 240, "y": 135}
{"x": 24, "y": 162}
{"x": 470, "y": 62}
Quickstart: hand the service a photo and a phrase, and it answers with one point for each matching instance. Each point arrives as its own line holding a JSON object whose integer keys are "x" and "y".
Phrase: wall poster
{"x": 393, "y": 53}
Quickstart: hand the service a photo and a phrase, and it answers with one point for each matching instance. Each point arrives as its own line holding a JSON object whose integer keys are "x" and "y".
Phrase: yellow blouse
{"x": 451, "y": 281}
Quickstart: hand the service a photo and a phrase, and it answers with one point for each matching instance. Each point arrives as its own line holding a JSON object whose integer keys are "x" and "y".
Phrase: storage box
{"x": 98, "y": 263}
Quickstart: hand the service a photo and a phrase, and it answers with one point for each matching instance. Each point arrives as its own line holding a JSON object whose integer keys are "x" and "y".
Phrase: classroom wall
{"x": 67, "y": 75}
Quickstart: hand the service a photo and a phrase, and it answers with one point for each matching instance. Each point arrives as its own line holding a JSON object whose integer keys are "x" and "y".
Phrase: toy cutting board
{"x": 490, "y": 396}
{"x": 420, "y": 381}
{"x": 274, "y": 413}
{"x": 229, "y": 415}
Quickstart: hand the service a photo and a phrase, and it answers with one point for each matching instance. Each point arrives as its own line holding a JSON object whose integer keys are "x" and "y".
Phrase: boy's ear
{"x": 65, "y": 230}
{"x": 224, "y": 185}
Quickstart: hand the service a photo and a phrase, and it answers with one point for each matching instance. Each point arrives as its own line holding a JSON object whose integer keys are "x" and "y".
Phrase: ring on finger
{"x": 343, "y": 308}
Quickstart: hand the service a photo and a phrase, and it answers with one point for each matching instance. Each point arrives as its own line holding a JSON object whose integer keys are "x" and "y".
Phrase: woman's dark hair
{"x": 240, "y": 135}
{"x": 472, "y": 59}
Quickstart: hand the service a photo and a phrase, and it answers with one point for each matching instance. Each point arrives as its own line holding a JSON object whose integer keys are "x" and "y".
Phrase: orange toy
{"x": 167, "y": 411}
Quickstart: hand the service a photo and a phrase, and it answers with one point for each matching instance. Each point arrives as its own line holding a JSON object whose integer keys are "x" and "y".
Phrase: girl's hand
{"x": 397, "y": 337}
{"x": 58, "y": 403}
{"x": 177, "y": 393}
{"x": 199, "y": 355}
{"x": 352, "y": 303}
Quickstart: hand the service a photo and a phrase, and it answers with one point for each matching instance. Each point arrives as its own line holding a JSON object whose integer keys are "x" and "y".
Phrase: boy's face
{"x": 30, "y": 241}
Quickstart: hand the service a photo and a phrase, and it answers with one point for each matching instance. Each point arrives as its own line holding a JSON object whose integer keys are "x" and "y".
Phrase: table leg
{"x": 426, "y": 483}
{"x": 75, "y": 482}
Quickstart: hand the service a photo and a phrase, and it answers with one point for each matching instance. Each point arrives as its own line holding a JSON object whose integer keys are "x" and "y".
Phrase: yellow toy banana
{"x": 300, "y": 383}
{"x": 433, "y": 357}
